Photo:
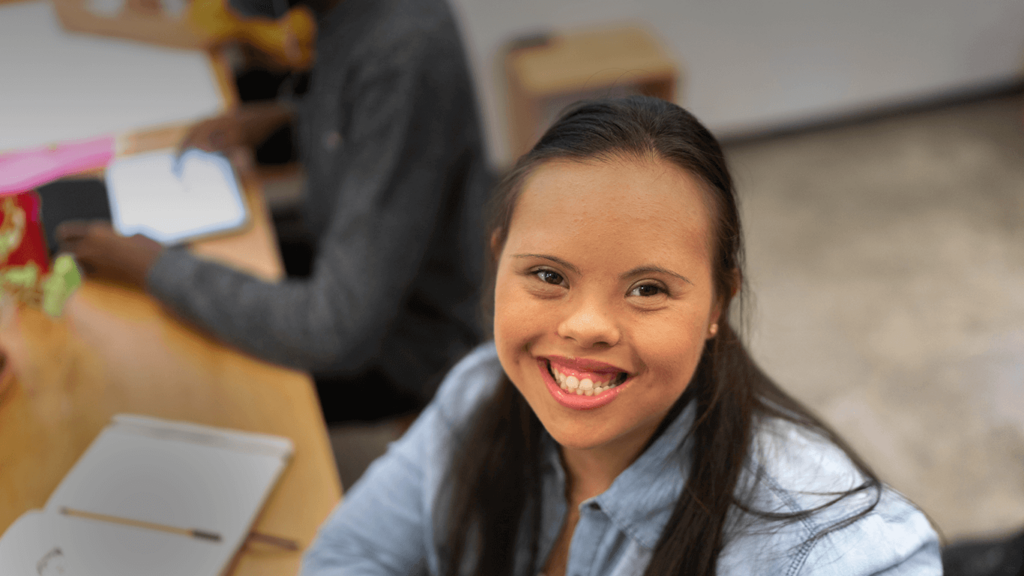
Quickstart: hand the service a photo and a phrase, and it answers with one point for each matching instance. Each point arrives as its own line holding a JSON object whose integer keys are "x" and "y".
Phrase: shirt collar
{"x": 641, "y": 499}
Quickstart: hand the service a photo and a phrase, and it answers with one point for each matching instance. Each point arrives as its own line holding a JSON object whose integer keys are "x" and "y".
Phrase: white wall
{"x": 757, "y": 64}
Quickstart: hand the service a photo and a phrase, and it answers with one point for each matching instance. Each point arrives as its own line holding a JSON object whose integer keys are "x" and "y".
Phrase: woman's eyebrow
{"x": 558, "y": 261}
{"x": 640, "y": 270}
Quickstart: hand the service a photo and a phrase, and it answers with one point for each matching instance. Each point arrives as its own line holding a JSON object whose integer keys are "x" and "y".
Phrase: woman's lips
{"x": 606, "y": 374}
{"x": 584, "y": 376}
{"x": 583, "y": 364}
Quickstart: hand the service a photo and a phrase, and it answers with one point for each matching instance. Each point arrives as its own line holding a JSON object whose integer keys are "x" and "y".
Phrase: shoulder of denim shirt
{"x": 836, "y": 519}
{"x": 799, "y": 468}
{"x": 467, "y": 385}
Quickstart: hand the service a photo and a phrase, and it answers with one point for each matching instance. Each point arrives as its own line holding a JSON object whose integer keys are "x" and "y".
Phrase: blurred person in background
{"x": 390, "y": 142}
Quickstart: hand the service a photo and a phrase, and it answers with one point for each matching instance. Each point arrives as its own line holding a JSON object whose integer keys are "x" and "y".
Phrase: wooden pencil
{"x": 190, "y": 532}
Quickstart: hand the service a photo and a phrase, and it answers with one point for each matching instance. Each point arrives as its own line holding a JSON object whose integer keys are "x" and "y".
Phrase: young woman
{"x": 617, "y": 425}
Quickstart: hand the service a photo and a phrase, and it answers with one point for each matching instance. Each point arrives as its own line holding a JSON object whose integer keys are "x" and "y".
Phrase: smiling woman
{"x": 617, "y": 425}
{"x": 613, "y": 302}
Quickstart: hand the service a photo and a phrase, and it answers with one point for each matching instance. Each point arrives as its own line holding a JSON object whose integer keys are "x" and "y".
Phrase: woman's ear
{"x": 496, "y": 243}
{"x": 736, "y": 281}
{"x": 723, "y": 301}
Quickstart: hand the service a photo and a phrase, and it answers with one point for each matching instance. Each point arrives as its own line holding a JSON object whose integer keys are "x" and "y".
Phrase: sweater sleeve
{"x": 401, "y": 144}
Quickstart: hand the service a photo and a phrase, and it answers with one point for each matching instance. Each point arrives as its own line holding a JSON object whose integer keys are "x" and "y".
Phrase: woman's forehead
{"x": 648, "y": 202}
{"x": 618, "y": 191}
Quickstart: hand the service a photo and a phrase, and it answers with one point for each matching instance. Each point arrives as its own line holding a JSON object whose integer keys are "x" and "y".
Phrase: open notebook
{"x": 172, "y": 474}
{"x": 173, "y": 200}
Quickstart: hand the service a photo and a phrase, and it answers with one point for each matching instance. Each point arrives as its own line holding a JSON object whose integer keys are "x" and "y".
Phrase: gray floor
{"x": 887, "y": 264}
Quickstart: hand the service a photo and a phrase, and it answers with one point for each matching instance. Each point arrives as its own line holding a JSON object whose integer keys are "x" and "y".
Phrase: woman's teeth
{"x": 586, "y": 386}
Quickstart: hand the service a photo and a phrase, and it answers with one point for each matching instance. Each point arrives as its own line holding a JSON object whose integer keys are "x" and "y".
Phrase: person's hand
{"x": 102, "y": 253}
{"x": 218, "y": 134}
{"x": 244, "y": 127}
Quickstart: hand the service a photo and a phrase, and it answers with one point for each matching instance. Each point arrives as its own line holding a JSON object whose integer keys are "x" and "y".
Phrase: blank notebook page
{"x": 41, "y": 543}
{"x": 174, "y": 474}
{"x": 151, "y": 195}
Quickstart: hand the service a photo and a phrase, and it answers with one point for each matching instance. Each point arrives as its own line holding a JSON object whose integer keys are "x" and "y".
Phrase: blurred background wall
{"x": 752, "y": 65}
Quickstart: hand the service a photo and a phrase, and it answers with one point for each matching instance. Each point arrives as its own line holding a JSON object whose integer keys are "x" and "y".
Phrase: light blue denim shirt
{"x": 385, "y": 523}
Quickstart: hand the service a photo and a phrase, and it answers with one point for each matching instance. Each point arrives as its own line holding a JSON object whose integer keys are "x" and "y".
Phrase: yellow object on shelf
{"x": 289, "y": 39}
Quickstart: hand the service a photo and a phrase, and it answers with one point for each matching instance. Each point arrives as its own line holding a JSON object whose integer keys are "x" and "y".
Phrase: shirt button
{"x": 332, "y": 139}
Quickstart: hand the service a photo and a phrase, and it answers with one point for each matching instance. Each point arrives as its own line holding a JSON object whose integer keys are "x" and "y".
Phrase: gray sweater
{"x": 397, "y": 183}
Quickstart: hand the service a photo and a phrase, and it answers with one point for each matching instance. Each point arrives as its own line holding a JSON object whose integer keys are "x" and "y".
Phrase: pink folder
{"x": 25, "y": 169}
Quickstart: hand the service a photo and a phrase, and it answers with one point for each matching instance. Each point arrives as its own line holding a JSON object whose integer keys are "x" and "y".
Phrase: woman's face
{"x": 604, "y": 297}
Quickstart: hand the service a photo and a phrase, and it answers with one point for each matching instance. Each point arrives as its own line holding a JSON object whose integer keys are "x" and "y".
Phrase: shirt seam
{"x": 809, "y": 526}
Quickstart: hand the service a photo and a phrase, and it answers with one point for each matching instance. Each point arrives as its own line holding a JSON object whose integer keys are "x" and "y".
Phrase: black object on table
{"x": 71, "y": 199}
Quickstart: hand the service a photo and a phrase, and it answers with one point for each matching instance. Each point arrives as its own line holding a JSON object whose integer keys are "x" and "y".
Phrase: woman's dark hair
{"x": 490, "y": 510}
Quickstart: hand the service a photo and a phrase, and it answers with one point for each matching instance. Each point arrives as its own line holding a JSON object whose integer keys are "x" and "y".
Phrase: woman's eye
{"x": 549, "y": 277}
{"x": 646, "y": 290}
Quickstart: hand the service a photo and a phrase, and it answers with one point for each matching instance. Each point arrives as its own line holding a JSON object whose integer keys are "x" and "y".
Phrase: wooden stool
{"x": 547, "y": 73}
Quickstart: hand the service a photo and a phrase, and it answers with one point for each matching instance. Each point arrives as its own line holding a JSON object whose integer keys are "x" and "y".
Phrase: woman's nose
{"x": 590, "y": 323}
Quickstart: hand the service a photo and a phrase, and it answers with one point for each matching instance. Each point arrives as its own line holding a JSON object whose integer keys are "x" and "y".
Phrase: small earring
{"x": 713, "y": 329}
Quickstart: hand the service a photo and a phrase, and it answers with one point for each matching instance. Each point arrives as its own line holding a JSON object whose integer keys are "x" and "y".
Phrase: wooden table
{"x": 117, "y": 350}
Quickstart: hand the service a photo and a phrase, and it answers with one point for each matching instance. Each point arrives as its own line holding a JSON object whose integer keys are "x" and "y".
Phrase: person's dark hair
{"x": 490, "y": 510}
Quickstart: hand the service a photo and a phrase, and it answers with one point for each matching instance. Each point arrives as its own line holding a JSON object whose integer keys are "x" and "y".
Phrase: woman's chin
{"x": 576, "y": 439}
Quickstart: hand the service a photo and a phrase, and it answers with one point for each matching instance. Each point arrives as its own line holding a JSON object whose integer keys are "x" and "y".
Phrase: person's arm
{"x": 246, "y": 126}
{"x": 395, "y": 162}
{"x": 385, "y": 523}
{"x": 382, "y": 524}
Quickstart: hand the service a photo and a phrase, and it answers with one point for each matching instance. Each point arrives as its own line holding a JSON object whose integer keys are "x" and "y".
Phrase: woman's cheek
{"x": 674, "y": 344}
{"x": 513, "y": 304}
{"x": 511, "y": 314}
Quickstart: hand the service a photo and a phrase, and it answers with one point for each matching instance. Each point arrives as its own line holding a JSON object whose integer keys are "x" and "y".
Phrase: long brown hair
{"x": 489, "y": 519}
